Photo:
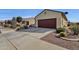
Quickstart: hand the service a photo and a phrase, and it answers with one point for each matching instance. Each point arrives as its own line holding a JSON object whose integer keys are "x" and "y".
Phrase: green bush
{"x": 75, "y": 29}
{"x": 60, "y": 30}
{"x": 62, "y": 34}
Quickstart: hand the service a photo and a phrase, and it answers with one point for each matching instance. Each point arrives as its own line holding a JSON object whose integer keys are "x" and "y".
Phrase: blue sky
{"x": 73, "y": 14}
{"x": 5, "y": 14}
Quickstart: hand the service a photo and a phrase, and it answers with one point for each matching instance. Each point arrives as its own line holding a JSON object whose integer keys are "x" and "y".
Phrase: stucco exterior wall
{"x": 48, "y": 15}
{"x": 31, "y": 22}
{"x": 64, "y": 22}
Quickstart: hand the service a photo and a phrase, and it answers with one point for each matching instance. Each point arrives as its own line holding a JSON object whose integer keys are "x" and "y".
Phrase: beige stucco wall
{"x": 65, "y": 23}
{"x": 49, "y": 14}
{"x": 31, "y": 21}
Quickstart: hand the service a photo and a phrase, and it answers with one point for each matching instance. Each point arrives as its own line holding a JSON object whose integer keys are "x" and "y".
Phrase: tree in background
{"x": 5, "y": 21}
{"x": 14, "y": 18}
{"x": 13, "y": 25}
{"x": 9, "y": 22}
{"x": 18, "y": 19}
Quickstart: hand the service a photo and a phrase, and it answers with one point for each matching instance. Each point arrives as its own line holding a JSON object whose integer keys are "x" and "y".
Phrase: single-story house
{"x": 46, "y": 19}
{"x": 29, "y": 21}
{"x": 51, "y": 19}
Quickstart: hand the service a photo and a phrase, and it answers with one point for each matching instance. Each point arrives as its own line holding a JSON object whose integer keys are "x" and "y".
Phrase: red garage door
{"x": 47, "y": 23}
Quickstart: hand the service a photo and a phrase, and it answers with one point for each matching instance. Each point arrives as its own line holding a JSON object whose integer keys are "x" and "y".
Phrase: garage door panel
{"x": 47, "y": 23}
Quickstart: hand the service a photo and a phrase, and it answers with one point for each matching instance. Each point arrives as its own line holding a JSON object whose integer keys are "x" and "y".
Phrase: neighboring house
{"x": 51, "y": 19}
{"x": 25, "y": 21}
{"x": 29, "y": 21}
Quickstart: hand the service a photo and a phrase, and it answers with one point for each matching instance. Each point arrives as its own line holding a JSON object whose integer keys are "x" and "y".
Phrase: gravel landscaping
{"x": 69, "y": 44}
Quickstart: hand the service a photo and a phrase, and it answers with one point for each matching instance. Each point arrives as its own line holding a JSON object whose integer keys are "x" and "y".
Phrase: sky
{"x": 6, "y": 14}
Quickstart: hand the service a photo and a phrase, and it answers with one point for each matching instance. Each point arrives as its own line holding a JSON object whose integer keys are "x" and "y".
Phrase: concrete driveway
{"x": 27, "y": 40}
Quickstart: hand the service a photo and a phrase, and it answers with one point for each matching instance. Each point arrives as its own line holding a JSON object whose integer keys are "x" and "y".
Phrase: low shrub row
{"x": 62, "y": 34}
{"x": 58, "y": 30}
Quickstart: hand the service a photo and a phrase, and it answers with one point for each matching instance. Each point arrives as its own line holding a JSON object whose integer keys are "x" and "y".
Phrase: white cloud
{"x": 27, "y": 16}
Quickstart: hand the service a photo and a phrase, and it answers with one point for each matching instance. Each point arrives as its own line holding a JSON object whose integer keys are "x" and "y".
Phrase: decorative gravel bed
{"x": 71, "y": 38}
{"x": 69, "y": 44}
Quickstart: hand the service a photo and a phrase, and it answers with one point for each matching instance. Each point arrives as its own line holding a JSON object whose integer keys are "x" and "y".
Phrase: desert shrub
{"x": 21, "y": 27}
{"x": 12, "y": 27}
{"x": 62, "y": 34}
{"x": 25, "y": 27}
{"x": 75, "y": 29}
{"x": 60, "y": 30}
{"x": 6, "y": 25}
{"x": 17, "y": 29}
{"x": 18, "y": 25}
